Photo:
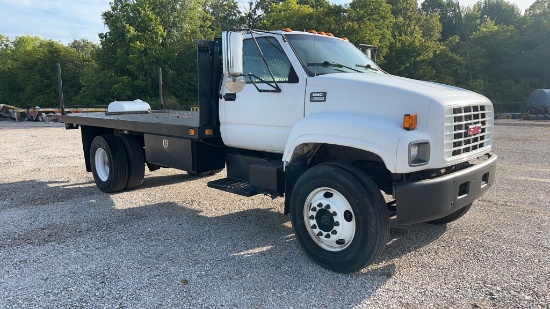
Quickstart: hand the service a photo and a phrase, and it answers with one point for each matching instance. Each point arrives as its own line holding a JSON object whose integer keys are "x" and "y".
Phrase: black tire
{"x": 136, "y": 161}
{"x": 111, "y": 175}
{"x": 346, "y": 188}
{"x": 451, "y": 217}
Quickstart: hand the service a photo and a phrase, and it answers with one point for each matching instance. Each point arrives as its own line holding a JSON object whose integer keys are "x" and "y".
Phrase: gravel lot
{"x": 176, "y": 243}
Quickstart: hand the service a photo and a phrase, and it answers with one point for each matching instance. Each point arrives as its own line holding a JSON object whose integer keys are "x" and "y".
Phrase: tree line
{"x": 491, "y": 47}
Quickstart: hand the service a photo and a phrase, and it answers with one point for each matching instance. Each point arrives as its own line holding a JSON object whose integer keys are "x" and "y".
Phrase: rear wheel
{"x": 136, "y": 161}
{"x": 109, "y": 163}
{"x": 451, "y": 217}
{"x": 339, "y": 217}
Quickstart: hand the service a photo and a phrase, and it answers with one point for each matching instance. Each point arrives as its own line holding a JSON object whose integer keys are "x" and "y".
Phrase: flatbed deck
{"x": 169, "y": 123}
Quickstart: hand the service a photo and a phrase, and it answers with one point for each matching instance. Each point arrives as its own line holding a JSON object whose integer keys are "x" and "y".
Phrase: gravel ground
{"x": 176, "y": 243}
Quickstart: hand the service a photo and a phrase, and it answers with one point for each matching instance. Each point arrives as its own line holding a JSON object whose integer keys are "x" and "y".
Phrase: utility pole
{"x": 60, "y": 87}
{"x": 160, "y": 89}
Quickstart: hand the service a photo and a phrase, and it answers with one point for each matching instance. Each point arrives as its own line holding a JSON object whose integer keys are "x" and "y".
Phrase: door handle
{"x": 230, "y": 96}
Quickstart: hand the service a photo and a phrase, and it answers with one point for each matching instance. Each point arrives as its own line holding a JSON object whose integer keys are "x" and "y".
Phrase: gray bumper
{"x": 435, "y": 198}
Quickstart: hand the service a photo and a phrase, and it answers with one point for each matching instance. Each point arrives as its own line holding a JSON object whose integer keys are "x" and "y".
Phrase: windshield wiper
{"x": 366, "y": 66}
{"x": 333, "y": 64}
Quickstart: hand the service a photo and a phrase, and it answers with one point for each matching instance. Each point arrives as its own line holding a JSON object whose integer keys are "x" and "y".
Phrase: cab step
{"x": 233, "y": 185}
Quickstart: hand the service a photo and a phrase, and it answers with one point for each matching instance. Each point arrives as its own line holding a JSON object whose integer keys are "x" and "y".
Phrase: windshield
{"x": 324, "y": 55}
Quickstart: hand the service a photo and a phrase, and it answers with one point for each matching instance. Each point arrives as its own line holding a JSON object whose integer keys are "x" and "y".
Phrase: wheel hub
{"x": 324, "y": 220}
{"x": 329, "y": 219}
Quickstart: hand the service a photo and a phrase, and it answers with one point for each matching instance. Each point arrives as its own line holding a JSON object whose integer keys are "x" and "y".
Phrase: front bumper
{"x": 436, "y": 198}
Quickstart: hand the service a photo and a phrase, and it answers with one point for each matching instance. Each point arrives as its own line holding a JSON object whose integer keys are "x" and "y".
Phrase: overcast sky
{"x": 65, "y": 20}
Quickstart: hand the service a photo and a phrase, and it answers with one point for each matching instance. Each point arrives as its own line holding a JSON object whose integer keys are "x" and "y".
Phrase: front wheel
{"x": 339, "y": 217}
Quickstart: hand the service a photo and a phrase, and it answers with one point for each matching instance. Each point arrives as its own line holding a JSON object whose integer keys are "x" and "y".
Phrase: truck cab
{"x": 323, "y": 105}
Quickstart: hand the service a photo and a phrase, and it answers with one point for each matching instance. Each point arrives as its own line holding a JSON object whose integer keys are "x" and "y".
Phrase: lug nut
{"x": 314, "y": 226}
{"x": 320, "y": 234}
{"x": 334, "y": 213}
{"x": 327, "y": 206}
{"x": 327, "y": 235}
{"x": 336, "y": 223}
{"x": 333, "y": 232}
{"x": 313, "y": 209}
{"x": 311, "y": 217}
{"x": 320, "y": 205}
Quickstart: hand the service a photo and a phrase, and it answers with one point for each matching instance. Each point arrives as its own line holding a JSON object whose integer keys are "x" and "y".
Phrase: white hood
{"x": 386, "y": 96}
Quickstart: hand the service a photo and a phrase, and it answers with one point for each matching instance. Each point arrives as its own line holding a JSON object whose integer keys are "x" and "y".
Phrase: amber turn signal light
{"x": 409, "y": 121}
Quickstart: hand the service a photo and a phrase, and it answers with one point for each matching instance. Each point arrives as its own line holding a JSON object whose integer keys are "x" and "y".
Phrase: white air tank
{"x": 128, "y": 106}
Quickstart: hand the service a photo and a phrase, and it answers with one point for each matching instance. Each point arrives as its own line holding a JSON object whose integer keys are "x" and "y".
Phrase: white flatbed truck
{"x": 309, "y": 117}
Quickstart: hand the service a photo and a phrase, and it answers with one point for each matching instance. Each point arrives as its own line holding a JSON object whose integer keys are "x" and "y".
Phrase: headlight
{"x": 419, "y": 153}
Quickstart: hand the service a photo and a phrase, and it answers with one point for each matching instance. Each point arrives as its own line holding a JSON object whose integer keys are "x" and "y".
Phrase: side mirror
{"x": 232, "y": 45}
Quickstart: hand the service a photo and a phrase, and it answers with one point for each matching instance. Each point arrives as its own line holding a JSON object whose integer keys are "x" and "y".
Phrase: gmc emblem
{"x": 475, "y": 129}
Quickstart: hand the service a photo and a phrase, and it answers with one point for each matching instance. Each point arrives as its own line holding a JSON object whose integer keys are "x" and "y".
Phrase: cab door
{"x": 259, "y": 118}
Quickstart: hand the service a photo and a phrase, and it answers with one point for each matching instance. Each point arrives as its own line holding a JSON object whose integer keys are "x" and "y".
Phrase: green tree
{"x": 85, "y": 47}
{"x": 332, "y": 18}
{"x": 497, "y": 52}
{"x": 288, "y": 14}
{"x": 255, "y": 11}
{"x": 415, "y": 42}
{"x": 501, "y": 12}
{"x": 371, "y": 22}
{"x": 132, "y": 48}
{"x": 534, "y": 43}
{"x": 225, "y": 14}
{"x": 144, "y": 35}
{"x": 28, "y": 71}
{"x": 449, "y": 16}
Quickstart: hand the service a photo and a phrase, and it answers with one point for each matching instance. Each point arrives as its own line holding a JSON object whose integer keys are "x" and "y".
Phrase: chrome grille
{"x": 468, "y": 129}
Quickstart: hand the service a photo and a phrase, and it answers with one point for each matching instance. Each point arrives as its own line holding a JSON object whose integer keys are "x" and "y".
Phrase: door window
{"x": 275, "y": 57}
